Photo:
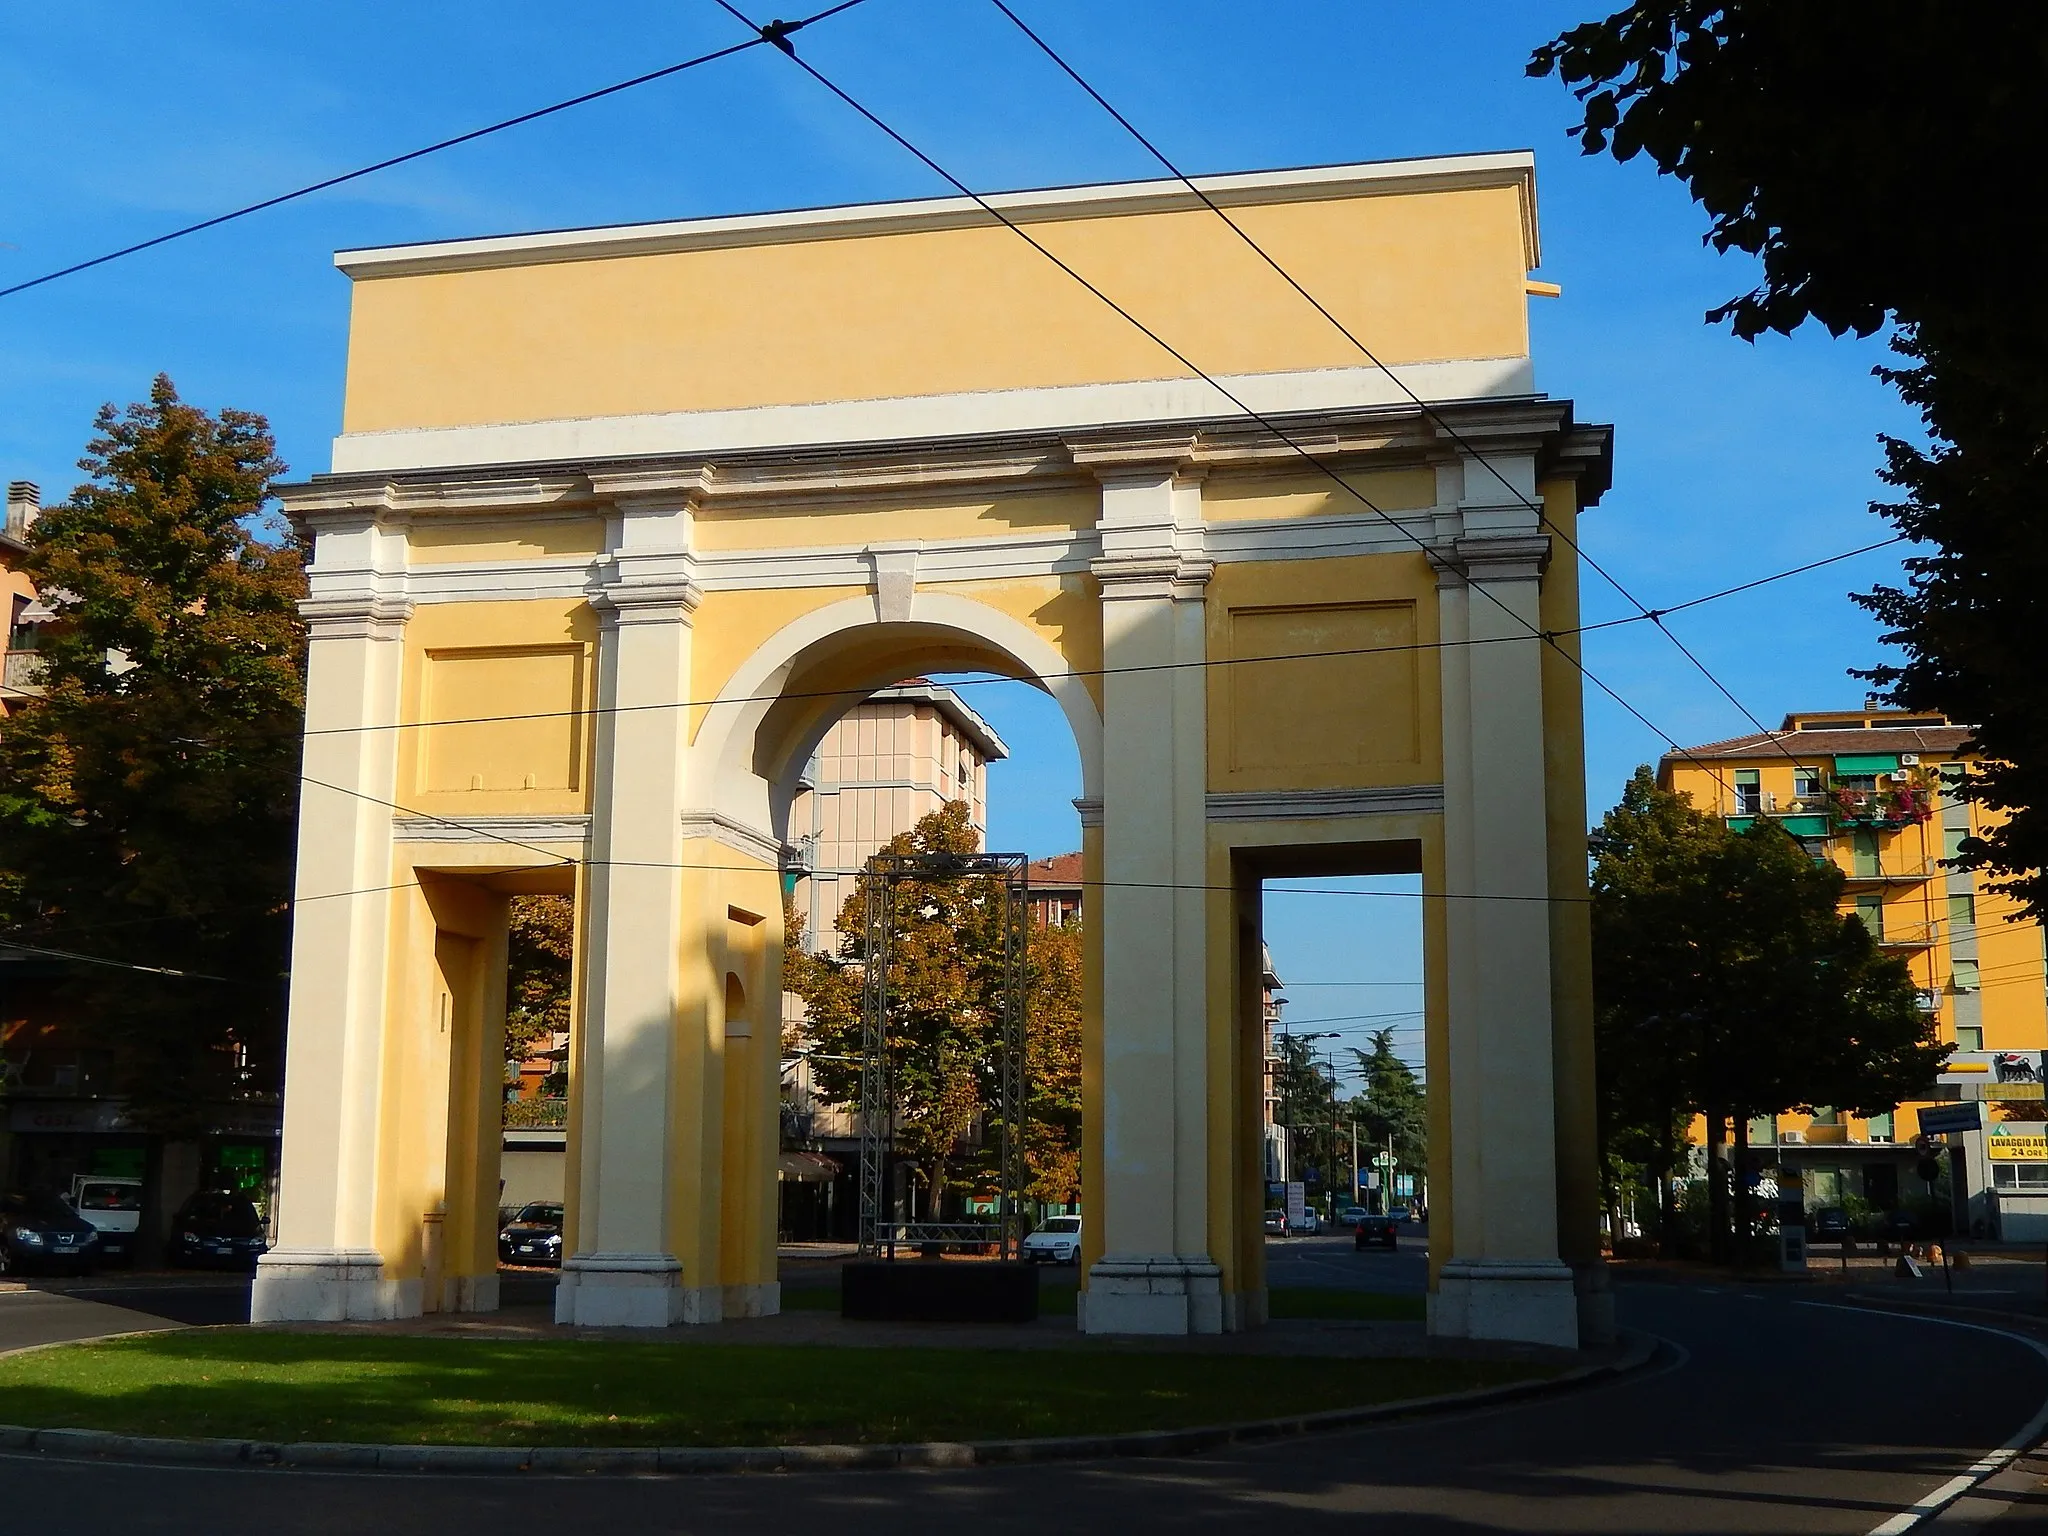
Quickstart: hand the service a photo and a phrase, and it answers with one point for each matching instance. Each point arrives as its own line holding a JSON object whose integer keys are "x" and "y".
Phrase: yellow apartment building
{"x": 1872, "y": 791}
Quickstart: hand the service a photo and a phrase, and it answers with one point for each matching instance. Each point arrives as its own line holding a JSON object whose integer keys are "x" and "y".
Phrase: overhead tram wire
{"x": 982, "y": 202}
{"x": 1655, "y": 616}
{"x": 778, "y": 29}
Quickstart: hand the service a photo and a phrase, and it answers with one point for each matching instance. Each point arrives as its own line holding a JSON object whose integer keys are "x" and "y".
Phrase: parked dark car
{"x": 42, "y": 1232}
{"x": 534, "y": 1236}
{"x": 1829, "y": 1224}
{"x": 1375, "y": 1232}
{"x": 217, "y": 1229}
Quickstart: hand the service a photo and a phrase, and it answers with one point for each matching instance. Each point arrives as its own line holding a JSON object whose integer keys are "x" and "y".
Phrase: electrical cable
{"x": 982, "y": 202}
{"x": 779, "y": 28}
{"x": 1655, "y": 616}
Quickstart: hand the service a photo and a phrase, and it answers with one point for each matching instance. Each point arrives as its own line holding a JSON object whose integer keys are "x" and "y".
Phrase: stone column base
{"x": 469, "y": 1293}
{"x": 328, "y": 1285}
{"x": 761, "y": 1300}
{"x": 1597, "y": 1325}
{"x": 1162, "y": 1294}
{"x": 628, "y": 1290}
{"x": 1526, "y": 1301}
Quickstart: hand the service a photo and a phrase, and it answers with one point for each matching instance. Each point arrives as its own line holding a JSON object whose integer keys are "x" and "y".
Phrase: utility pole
{"x": 1354, "y": 1159}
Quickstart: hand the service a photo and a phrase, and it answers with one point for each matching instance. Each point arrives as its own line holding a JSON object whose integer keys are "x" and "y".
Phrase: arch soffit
{"x": 943, "y": 628}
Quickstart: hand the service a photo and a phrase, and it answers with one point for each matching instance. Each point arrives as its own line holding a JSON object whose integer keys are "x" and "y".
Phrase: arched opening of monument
{"x": 934, "y": 763}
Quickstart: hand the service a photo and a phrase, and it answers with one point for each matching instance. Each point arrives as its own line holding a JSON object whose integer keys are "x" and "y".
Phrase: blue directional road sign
{"x": 1951, "y": 1119}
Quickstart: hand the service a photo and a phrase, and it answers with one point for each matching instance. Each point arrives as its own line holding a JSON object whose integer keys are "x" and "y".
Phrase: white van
{"x": 113, "y": 1206}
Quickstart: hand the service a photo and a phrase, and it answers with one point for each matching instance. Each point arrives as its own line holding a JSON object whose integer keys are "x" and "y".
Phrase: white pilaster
{"x": 1504, "y": 1278}
{"x": 623, "y": 1271}
{"x": 326, "y": 1265}
{"x": 1156, "y": 1274}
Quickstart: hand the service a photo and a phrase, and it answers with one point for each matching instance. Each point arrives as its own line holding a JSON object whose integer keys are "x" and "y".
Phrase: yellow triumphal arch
{"x": 621, "y": 519}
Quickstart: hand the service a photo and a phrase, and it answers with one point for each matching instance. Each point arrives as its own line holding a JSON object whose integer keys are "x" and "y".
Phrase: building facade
{"x": 1872, "y": 791}
{"x": 19, "y": 666}
{"x": 892, "y": 759}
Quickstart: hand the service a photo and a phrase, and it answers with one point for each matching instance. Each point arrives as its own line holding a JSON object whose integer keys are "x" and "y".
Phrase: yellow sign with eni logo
{"x": 2017, "y": 1149}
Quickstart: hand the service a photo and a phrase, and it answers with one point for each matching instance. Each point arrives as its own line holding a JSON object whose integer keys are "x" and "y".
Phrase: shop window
{"x": 2027, "y": 1176}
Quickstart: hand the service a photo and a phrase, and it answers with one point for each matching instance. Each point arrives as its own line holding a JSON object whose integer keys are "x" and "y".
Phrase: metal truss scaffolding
{"x": 880, "y": 1231}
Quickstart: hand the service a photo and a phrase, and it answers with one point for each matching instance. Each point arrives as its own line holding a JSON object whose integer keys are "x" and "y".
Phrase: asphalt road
{"x": 1770, "y": 1411}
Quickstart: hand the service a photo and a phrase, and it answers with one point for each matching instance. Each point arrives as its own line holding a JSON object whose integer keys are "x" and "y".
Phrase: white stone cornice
{"x": 573, "y": 830}
{"x": 1325, "y": 804}
{"x": 730, "y": 832}
{"x": 356, "y": 616}
{"x": 1128, "y": 454}
{"x": 1148, "y": 574}
{"x": 1515, "y": 557}
{"x": 835, "y": 443}
{"x": 658, "y": 601}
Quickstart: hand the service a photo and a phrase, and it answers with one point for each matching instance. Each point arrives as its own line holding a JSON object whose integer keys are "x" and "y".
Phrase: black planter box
{"x": 933, "y": 1291}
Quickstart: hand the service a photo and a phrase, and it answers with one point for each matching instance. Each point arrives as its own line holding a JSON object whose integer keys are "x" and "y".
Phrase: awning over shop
{"x": 806, "y": 1168}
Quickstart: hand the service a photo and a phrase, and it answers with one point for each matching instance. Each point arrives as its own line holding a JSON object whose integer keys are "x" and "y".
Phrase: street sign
{"x": 1951, "y": 1119}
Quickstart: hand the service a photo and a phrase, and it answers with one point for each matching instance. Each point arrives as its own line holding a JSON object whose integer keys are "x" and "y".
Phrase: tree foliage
{"x": 148, "y": 801}
{"x": 540, "y": 961}
{"x": 1727, "y": 982}
{"x": 946, "y": 996}
{"x": 1875, "y": 157}
{"x": 1391, "y": 1106}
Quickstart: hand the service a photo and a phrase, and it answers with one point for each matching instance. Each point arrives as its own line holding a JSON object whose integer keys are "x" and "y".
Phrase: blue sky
{"x": 1731, "y": 460}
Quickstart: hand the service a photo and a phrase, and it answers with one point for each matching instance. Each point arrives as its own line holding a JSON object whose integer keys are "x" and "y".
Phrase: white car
{"x": 1057, "y": 1242}
{"x": 1352, "y": 1215}
{"x": 113, "y": 1206}
{"x": 1309, "y": 1225}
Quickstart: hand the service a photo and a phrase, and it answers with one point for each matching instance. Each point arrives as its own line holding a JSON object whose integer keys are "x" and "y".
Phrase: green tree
{"x": 148, "y": 801}
{"x": 540, "y": 961}
{"x": 1727, "y": 983}
{"x": 945, "y": 995}
{"x": 1317, "y": 1126}
{"x": 1391, "y": 1106}
{"x": 1052, "y": 1145}
{"x": 1869, "y": 153}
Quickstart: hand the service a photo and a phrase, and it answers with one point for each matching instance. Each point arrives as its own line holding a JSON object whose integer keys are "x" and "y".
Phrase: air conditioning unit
{"x": 1909, "y": 759}
{"x": 1791, "y": 1138}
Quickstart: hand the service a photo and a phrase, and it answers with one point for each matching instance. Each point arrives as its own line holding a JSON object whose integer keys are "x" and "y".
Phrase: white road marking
{"x": 2029, "y": 1434}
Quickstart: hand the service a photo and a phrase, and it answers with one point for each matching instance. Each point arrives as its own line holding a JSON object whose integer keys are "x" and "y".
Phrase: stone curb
{"x": 310, "y": 1456}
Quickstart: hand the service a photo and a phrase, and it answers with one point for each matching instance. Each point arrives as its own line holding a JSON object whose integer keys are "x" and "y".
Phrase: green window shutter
{"x": 1965, "y": 974}
{"x": 1868, "y": 762}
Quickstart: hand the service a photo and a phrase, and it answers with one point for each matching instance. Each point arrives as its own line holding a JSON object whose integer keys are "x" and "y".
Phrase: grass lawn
{"x": 314, "y": 1386}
